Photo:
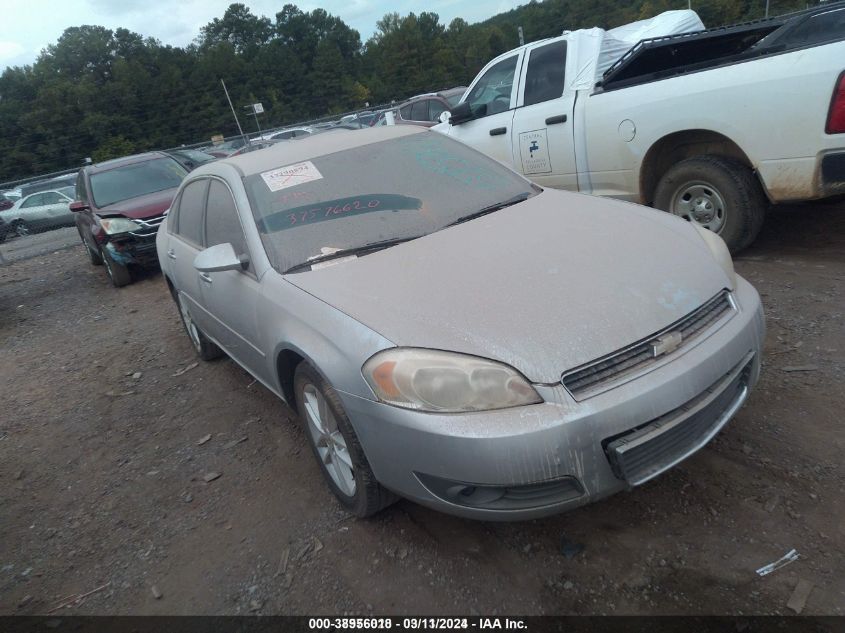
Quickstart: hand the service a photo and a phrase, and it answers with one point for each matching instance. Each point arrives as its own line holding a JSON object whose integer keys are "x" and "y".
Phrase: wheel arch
{"x": 287, "y": 360}
{"x": 678, "y": 146}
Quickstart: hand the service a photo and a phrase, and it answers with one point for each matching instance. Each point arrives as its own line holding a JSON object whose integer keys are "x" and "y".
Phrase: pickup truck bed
{"x": 667, "y": 56}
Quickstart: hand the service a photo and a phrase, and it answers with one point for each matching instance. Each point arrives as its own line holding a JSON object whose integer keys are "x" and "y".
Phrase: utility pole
{"x": 767, "y": 8}
{"x": 234, "y": 114}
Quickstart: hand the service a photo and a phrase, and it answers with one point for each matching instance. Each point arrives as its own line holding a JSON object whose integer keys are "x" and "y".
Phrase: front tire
{"x": 719, "y": 194}
{"x": 336, "y": 446}
{"x": 118, "y": 273}
{"x": 93, "y": 254}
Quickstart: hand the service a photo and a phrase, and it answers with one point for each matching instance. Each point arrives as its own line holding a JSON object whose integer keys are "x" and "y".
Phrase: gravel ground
{"x": 164, "y": 486}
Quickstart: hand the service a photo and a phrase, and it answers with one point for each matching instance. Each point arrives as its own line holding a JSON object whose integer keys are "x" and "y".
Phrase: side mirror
{"x": 218, "y": 258}
{"x": 463, "y": 112}
{"x": 445, "y": 116}
{"x": 78, "y": 205}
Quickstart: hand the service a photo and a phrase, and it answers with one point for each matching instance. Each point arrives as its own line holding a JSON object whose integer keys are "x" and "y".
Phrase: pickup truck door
{"x": 493, "y": 93}
{"x": 542, "y": 138}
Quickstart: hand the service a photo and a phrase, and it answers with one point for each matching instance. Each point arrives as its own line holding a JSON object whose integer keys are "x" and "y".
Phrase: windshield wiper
{"x": 346, "y": 252}
{"x": 493, "y": 207}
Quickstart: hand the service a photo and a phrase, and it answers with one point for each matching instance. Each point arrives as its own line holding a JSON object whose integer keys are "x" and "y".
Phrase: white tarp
{"x": 595, "y": 50}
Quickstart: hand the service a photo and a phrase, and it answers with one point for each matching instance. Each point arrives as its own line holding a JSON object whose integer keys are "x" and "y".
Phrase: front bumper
{"x": 538, "y": 460}
{"x": 128, "y": 249}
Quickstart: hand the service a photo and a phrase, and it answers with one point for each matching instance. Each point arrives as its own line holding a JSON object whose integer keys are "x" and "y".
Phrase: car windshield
{"x": 135, "y": 179}
{"x": 400, "y": 188}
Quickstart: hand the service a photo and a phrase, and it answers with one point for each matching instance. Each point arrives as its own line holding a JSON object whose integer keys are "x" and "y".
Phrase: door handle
{"x": 206, "y": 277}
{"x": 498, "y": 131}
{"x": 171, "y": 254}
{"x": 561, "y": 118}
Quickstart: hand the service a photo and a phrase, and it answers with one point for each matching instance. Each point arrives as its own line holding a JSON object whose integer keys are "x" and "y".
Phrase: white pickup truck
{"x": 712, "y": 125}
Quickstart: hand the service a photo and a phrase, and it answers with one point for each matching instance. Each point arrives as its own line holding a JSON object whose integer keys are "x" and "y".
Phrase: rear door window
{"x": 53, "y": 197}
{"x": 546, "y": 72}
{"x": 405, "y": 112}
{"x": 189, "y": 221}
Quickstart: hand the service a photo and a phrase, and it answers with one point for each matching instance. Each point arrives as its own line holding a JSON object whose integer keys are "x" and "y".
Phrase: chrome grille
{"x": 148, "y": 225}
{"x": 602, "y": 373}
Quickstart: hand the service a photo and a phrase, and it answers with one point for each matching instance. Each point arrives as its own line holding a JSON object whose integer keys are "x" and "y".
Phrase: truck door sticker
{"x": 534, "y": 152}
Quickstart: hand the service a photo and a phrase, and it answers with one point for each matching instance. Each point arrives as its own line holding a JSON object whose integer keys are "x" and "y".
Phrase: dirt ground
{"x": 102, "y": 475}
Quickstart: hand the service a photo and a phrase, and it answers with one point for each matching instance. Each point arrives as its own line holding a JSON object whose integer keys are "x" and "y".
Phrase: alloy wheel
{"x": 330, "y": 443}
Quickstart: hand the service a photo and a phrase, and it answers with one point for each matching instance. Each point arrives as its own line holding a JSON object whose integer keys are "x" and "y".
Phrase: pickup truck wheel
{"x": 118, "y": 273}
{"x": 335, "y": 445}
{"x": 204, "y": 348}
{"x": 719, "y": 194}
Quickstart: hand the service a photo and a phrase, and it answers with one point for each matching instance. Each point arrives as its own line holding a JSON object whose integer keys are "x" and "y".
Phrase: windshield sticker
{"x": 534, "y": 151}
{"x": 342, "y": 207}
{"x": 291, "y": 175}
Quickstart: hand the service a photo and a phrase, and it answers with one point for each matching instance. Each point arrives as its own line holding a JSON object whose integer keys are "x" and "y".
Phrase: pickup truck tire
{"x": 717, "y": 193}
{"x": 335, "y": 445}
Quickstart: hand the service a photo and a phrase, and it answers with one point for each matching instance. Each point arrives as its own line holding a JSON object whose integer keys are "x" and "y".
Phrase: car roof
{"x": 38, "y": 193}
{"x": 309, "y": 147}
{"x": 120, "y": 162}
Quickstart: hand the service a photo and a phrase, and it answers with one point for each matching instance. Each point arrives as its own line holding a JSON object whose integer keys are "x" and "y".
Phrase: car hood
{"x": 145, "y": 206}
{"x": 544, "y": 286}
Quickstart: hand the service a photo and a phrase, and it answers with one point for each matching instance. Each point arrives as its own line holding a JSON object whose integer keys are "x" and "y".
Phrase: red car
{"x": 119, "y": 205}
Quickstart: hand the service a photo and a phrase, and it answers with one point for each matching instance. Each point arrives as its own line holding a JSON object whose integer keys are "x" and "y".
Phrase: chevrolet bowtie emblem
{"x": 666, "y": 344}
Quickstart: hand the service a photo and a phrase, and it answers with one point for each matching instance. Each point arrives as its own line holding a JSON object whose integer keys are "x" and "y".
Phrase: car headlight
{"x": 118, "y": 225}
{"x": 430, "y": 380}
{"x": 720, "y": 253}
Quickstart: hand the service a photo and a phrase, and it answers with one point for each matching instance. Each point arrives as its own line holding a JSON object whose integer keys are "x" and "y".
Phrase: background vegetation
{"x": 100, "y": 93}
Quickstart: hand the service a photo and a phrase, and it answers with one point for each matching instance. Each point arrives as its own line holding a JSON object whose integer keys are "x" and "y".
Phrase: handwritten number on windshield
{"x": 310, "y": 214}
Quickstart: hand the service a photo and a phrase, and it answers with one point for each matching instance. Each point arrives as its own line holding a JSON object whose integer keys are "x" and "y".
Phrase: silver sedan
{"x": 449, "y": 332}
{"x": 39, "y": 211}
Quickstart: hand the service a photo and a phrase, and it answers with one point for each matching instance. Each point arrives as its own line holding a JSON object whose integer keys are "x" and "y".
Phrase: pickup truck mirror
{"x": 463, "y": 112}
{"x": 78, "y": 205}
{"x": 216, "y": 259}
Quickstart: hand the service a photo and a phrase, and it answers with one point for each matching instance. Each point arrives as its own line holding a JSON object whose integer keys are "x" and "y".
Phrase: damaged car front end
{"x": 119, "y": 207}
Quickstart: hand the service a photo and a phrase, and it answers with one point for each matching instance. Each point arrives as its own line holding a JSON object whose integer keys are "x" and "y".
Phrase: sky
{"x": 30, "y": 25}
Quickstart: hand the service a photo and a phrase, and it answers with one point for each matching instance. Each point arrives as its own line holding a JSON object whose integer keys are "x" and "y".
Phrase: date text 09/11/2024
{"x": 480, "y": 623}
